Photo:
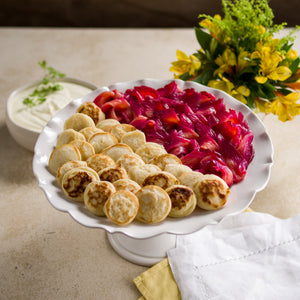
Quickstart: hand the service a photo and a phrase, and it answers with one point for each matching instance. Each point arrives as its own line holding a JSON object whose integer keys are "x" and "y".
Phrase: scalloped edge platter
{"x": 240, "y": 198}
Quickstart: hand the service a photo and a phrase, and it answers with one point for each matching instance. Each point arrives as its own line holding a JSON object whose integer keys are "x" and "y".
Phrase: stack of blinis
{"x": 115, "y": 172}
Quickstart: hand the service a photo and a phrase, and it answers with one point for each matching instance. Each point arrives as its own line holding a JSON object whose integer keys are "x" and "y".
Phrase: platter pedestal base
{"x": 145, "y": 252}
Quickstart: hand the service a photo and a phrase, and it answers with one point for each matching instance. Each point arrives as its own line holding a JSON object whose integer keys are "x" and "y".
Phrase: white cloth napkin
{"x": 247, "y": 256}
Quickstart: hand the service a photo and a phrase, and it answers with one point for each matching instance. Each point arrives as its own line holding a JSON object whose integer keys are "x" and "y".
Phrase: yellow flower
{"x": 185, "y": 64}
{"x": 294, "y": 81}
{"x": 261, "y": 105}
{"x": 225, "y": 62}
{"x": 225, "y": 85}
{"x": 228, "y": 60}
{"x": 240, "y": 93}
{"x": 292, "y": 54}
{"x": 269, "y": 63}
{"x": 243, "y": 59}
{"x": 212, "y": 27}
{"x": 260, "y": 29}
{"x": 285, "y": 106}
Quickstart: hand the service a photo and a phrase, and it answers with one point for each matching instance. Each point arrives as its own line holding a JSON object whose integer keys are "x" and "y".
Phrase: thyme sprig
{"x": 47, "y": 86}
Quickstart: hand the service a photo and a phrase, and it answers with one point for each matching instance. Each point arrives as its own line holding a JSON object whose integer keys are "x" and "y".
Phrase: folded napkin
{"x": 247, "y": 256}
{"x": 157, "y": 283}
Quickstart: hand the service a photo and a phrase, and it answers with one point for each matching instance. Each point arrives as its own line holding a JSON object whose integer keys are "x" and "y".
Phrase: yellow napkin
{"x": 158, "y": 282}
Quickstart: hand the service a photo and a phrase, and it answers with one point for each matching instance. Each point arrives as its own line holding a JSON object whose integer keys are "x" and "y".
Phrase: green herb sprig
{"x": 47, "y": 86}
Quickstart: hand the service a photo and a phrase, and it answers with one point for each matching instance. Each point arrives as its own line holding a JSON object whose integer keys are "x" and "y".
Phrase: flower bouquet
{"x": 239, "y": 55}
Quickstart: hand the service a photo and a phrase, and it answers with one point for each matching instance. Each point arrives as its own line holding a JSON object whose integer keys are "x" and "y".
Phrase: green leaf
{"x": 186, "y": 76}
{"x": 203, "y": 39}
{"x": 294, "y": 65}
{"x": 41, "y": 99}
{"x": 213, "y": 46}
{"x": 46, "y": 87}
{"x": 247, "y": 70}
{"x": 28, "y": 101}
{"x": 286, "y": 47}
{"x": 284, "y": 91}
{"x": 219, "y": 50}
{"x": 205, "y": 76}
{"x": 201, "y": 56}
{"x": 266, "y": 91}
{"x": 250, "y": 100}
{"x": 45, "y": 81}
{"x": 208, "y": 55}
{"x": 61, "y": 75}
{"x": 43, "y": 64}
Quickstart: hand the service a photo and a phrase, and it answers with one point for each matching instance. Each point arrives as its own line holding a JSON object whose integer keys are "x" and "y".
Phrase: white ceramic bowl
{"x": 240, "y": 197}
{"x": 24, "y": 136}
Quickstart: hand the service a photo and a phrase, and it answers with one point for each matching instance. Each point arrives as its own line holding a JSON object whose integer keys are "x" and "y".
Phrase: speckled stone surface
{"x": 44, "y": 253}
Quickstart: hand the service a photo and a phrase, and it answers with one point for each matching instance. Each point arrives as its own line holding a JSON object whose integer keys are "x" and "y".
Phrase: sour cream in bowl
{"x": 25, "y": 122}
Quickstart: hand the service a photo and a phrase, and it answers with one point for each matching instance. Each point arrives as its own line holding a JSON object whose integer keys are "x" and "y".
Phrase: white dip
{"x": 35, "y": 118}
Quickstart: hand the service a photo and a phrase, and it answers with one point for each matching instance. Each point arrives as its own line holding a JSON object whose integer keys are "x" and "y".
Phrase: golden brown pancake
{"x": 99, "y": 162}
{"x": 107, "y": 124}
{"x": 78, "y": 121}
{"x": 113, "y": 174}
{"x": 117, "y": 150}
{"x": 126, "y": 184}
{"x": 85, "y": 148}
{"x": 128, "y": 161}
{"x": 183, "y": 200}
{"x": 121, "y": 207}
{"x": 165, "y": 159}
{"x": 67, "y": 166}
{"x": 100, "y": 141}
{"x": 177, "y": 170}
{"x": 150, "y": 150}
{"x": 95, "y": 196}
{"x": 76, "y": 180}
{"x": 62, "y": 154}
{"x": 190, "y": 178}
{"x": 139, "y": 173}
{"x": 134, "y": 139}
{"x": 155, "y": 204}
{"x": 211, "y": 192}
{"x": 92, "y": 110}
{"x": 69, "y": 135}
{"x": 89, "y": 131}
{"x": 120, "y": 129}
{"x": 162, "y": 179}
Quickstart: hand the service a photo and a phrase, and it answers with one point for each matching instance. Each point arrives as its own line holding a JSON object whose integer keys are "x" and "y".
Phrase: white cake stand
{"x": 145, "y": 252}
{"x": 148, "y": 244}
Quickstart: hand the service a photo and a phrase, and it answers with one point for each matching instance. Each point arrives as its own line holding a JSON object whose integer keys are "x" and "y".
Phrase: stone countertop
{"x": 44, "y": 253}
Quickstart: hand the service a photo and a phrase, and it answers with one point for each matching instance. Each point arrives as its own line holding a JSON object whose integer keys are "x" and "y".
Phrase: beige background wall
{"x": 124, "y": 13}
